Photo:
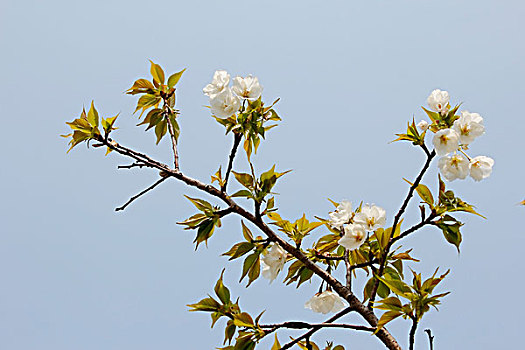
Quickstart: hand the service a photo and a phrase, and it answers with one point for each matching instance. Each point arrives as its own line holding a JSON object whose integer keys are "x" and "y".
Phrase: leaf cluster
{"x": 204, "y": 222}
{"x": 419, "y": 296}
{"x": 152, "y": 93}
{"x": 251, "y": 123}
{"x": 248, "y": 330}
{"x": 86, "y": 127}
{"x": 252, "y": 263}
{"x": 257, "y": 188}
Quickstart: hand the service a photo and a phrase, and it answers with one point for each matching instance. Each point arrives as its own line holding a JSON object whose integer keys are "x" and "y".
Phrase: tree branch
{"x": 412, "y": 333}
{"x": 305, "y": 325}
{"x": 159, "y": 181}
{"x": 315, "y": 329}
{"x": 430, "y": 338}
{"x": 344, "y": 292}
{"x": 236, "y": 141}
{"x": 430, "y": 156}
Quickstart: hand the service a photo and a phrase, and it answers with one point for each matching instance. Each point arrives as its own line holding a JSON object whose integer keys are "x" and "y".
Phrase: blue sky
{"x": 350, "y": 74}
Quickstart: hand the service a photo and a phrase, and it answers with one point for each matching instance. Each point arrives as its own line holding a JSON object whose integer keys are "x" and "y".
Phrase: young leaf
{"x": 174, "y": 78}
{"x": 222, "y": 292}
{"x": 157, "y": 73}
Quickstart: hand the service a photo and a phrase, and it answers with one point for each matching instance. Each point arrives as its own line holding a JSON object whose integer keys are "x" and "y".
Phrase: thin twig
{"x": 236, "y": 141}
{"x": 365, "y": 264}
{"x": 315, "y": 329}
{"x": 430, "y": 156}
{"x": 412, "y": 333}
{"x": 328, "y": 257}
{"x": 134, "y": 165}
{"x": 430, "y": 338}
{"x": 348, "y": 269}
{"x": 159, "y": 181}
{"x": 173, "y": 144}
{"x": 414, "y": 228}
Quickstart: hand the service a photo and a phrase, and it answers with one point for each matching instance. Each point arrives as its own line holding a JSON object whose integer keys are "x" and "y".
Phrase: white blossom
{"x": 446, "y": 141}
{"x": 468, "y": 126}
{"x": 371, "y": 217}
{"x": 273, "y": 262}
{"x": 454, "y": 167}
{"x": 423, "y": 125}
{"x": 438, "y": 101}
{"x": 220, "y": 81}
{"x": 481, "y": 167}
{"x": 354, "y": 237}
{"x": 248, "y": 87}
{"x": 326, "y": 302}
{"x": 342, "y": 214}
{"x": 224, "y": 104}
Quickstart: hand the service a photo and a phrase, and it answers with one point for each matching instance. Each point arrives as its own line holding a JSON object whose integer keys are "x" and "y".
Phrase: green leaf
{"x": 450, "y": 227}
{"x": 244, "y": 179}
{"x": 390, "y": 303}
{"x": 248, "y": 236}
{"x": 276, "y": 345}
{"x": 387, "y": 317}
{"x": 204, "y": 232}
{"x": 174, "y": 78}
{"x": 161, "y": 129}
{"x": 397, "y": 286}
{"x": 248, "y": 264}
{"x": 222, "y": 292}
{"x": 146, "y": 101}
{"x": 92, "y": 115}
{"x": 425, "y": 194}
{"x": 229, "y": 332}
{"x": 242, "y": 193}
{"x": 243, "y": 320}
{"x": 157, "y": 73}
{"x": 176, "y": 129}
{"x": 208, "y": 304}
{"x": 141, "y": 86}
{"x": 239, "y": 250}
{"x": 200, "y": 204}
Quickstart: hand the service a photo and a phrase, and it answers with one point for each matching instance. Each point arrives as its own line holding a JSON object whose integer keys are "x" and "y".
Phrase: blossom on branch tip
{"x": 481, "y": 167}
{"x": 248, "y": 87}
{"x": 438, "y": 101}
{"x": 371, "y": 217}
{"x": 224, "y": 104}
{"x": 326, "y": 302}
{"x": 468, "y": 126}
{"x": 454, "y": 167}
{"x": 220, "y": 81}
{"x": 354, "y": 237}
{"x": 342, "y": 214}
{"x": 446, "y": 141}
{"x": 423, "y": 125}
{"x": 273, "y": 262}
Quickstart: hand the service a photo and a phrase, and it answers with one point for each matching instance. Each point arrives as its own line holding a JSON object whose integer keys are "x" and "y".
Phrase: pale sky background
{"x": 77, "y": 275}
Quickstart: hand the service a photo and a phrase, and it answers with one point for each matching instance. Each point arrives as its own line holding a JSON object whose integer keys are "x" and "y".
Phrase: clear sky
{"x": 76, "y": 275}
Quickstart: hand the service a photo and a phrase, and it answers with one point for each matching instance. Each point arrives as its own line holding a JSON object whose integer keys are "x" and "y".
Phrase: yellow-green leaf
{"x": 157, "y": 73}
{"x": 174, "y": 78}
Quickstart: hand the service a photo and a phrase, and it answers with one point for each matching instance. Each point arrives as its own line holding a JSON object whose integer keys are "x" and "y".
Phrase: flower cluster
{"x": 448, "y": 141}
{"x": 326, "y": 302}
{"x": 356, "y": 224}
{"x": 226, "y": 101}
